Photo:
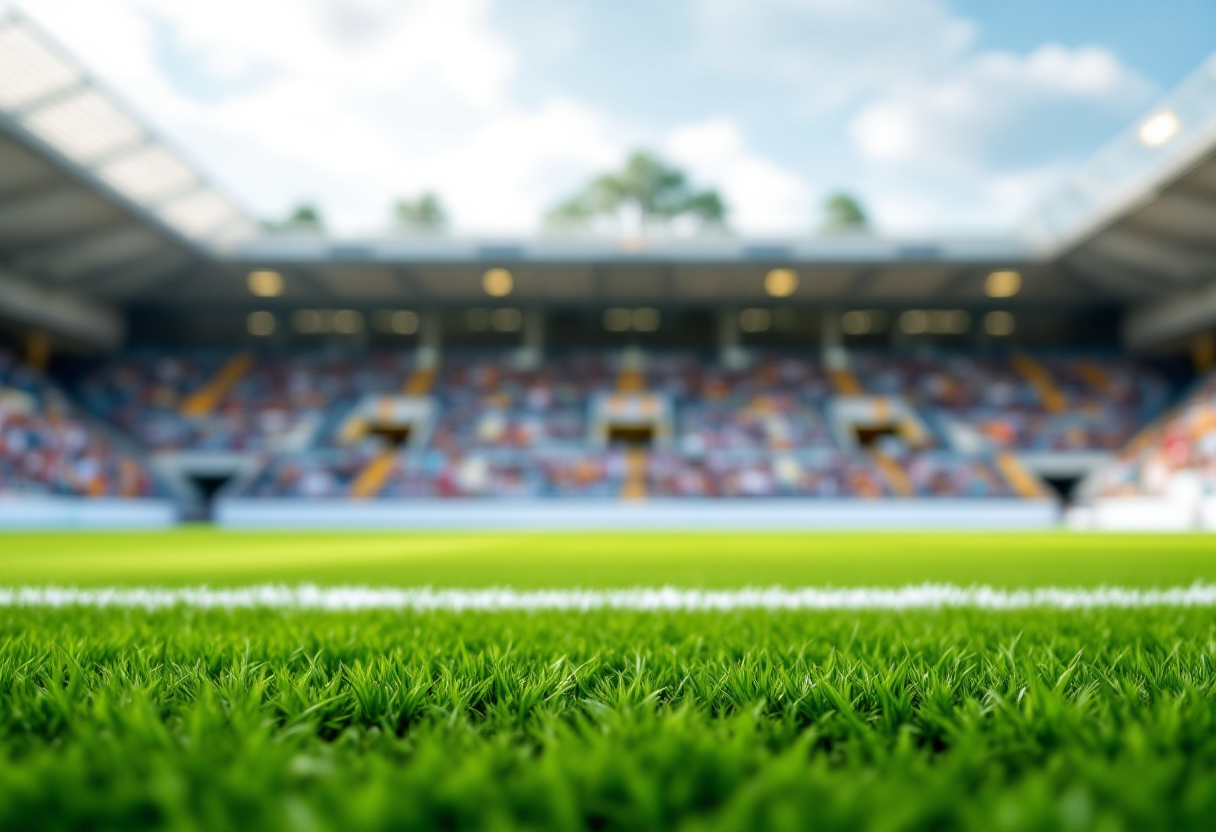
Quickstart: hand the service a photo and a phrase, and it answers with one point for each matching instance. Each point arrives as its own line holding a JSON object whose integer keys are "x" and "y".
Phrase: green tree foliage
{"x": 655, "y": 191}
{"x": 843, "y": 214}
{"x": 424, "y": 213}
{"x": 304, "y": 217}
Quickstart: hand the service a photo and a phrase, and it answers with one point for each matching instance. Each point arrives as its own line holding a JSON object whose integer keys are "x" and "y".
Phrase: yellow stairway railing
{"x": 373, "y": 476}
{"x": 204, "y": 400}
{"x": 1023, "y": 482}
{"x": 630, "y": 381}
{"x": 894, "y": 474}
{"x": 634, "y": 487}
{"x": 421, "y": 381}
{"x": 844, "y": 382}
{"x": 1041, "y": 381}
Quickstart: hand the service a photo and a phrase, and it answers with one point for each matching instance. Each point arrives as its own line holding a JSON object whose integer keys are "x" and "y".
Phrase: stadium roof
{"x": 94, "y": 203}
{"x": 87, "y": 189}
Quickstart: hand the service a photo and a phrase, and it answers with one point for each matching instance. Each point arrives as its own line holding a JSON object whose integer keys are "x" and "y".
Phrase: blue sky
{"x": 941, "y": 115}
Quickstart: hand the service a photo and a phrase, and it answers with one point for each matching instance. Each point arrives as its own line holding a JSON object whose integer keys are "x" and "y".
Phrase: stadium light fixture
{"x": 857, "y": 322}
{"x": 498, "y": 282}
{"x": 265, "y": 283}
{"x": 29, "y": 71}
{"x": 646, "y": 319}
{"x": 148, "y": 175}
{"x": 914, "y": 322}
{"x": 781, "y": 283}
{"x": 1158, "y": 129}
{"x": 83, "y": 127}
{"x": 260, "y": 324}
{"x": 999, "y": 324}
{"x": 1003, "y": 284}
{"x": 396, "y": 321}
{"x": 506, "y": 320}
{"x": 755, "y": 320}
{"x": 347, "y": 322}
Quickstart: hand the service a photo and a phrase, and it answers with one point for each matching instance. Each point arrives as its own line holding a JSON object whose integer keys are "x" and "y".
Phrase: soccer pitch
{"x": 745, "y": 717}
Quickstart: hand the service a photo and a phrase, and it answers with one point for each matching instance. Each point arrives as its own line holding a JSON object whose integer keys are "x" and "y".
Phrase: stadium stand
{"x": 48, "y": 447}
{"x": 234, "y": 401}
{"x": 1178, "y": 450}
{"x": 480, "y": 424}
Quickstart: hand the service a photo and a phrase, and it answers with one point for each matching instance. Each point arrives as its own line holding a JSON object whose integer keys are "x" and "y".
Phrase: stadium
{"x": 587, "y": 531}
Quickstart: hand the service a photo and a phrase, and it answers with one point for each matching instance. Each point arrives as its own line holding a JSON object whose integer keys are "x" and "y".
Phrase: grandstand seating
{"x": 1182, "y": 443}
{"x": 210, "y": 401}
{"x": 501, "y": 429}
{"x": 48, "y": 447}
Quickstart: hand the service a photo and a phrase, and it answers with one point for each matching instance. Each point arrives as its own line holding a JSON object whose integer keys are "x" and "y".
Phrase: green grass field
{"x": 287, "y": 719}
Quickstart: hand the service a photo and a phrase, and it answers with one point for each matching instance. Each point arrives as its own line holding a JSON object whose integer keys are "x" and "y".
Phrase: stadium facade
{"x": 164, "y": 357}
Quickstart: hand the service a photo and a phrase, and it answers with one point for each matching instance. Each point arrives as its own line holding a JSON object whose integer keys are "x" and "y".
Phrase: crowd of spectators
{"x": 47, "y": 447}
{"x": 507, "y": 429}
{"x": 1102, "y": 399}
{"x": 1181, "y": 443}
{"x": 278, "y": 403}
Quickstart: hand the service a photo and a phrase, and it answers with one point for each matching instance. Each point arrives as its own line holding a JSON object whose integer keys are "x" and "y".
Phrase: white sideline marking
{"x": 309, "y": 597}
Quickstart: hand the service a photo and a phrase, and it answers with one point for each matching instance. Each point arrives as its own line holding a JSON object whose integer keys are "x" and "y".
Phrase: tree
{"x": 425, "y": 213}
{"x": 647, "y": 187}
{"x": 843, "y": 214}
{"x": 304, "y": 217}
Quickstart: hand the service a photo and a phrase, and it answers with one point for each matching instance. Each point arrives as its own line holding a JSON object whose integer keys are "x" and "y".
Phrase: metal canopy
{"x": 93, "y": 202}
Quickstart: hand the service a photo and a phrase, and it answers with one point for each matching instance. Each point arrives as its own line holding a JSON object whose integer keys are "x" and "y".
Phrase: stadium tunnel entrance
{"x": 208, "y": 486}
{"x": 870, "y": 435}
{"x": 1065, "y": 487}
{"x": 635, "y": 436}
{"x": 391, "y": 435}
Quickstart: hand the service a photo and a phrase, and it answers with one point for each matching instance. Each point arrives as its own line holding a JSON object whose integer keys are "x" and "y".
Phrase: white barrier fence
{"x": 683, "y": 514}
{"x": 85, "y": 513}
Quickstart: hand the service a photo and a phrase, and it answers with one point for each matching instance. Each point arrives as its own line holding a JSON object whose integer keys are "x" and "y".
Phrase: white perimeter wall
{"x": 85, "y": 513}
{"x": 684, "y": 514}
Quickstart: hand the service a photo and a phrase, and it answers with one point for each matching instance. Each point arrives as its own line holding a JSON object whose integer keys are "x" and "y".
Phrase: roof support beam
{"x": 62, "y": 313}
{"x": 1176, "y": 316}
{"x": 12, "y": 209}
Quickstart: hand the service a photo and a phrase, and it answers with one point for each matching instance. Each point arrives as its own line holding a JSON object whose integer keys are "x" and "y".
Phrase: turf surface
{"x": 260, "y": 719}
{"x": 719, "y": 560}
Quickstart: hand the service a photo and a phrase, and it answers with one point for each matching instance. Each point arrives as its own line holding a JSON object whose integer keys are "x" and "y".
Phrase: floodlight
{"x": 914, "y": 321}
{"x": 148, "y": 175}
{"x": 29, "y": 71}
{"x": 1003, "y": 284}
{"x": 506, "y": 320}
{"x": 83, "y": 127}
{"x": 755, "y": 320}
{"x": 404, "y": 322}
{"x": 1158, "y": 129}
{"x": 999, "y": 323}
{"x": 265, "y": 283}
{"x": 260, "y": 323}
{"x": 781, "y": 283}
{"x": 498, "y": 282}
{"x": 347, "y": 321}
{"x": 857, "y": 322}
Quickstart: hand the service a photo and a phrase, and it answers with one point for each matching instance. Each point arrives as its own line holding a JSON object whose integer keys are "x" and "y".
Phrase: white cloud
{"x": 353, "y": 103}
{"x": 830, "y": 52}
{"x": 763, "y": 198}
{"x": 950, "y": 121}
